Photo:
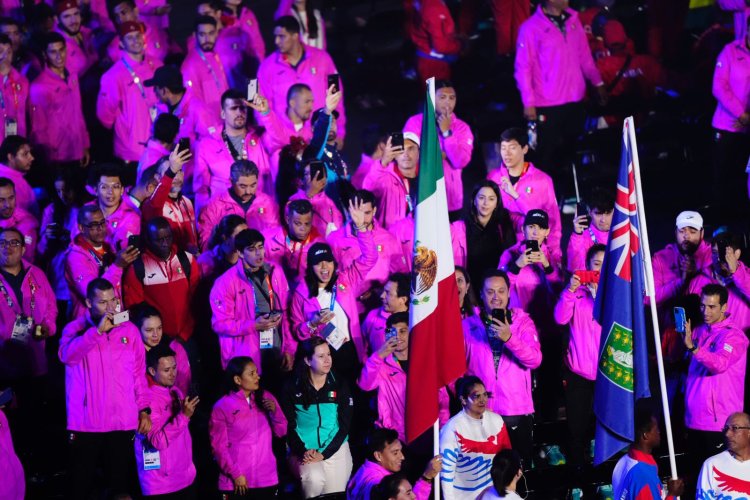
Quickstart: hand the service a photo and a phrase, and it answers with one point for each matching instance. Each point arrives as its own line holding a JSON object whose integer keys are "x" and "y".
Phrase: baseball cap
{"x": 538, "y": 217}
{"x": 165, "y": 76}
{"x": 689, "y": 219}
{"x": 411, "y": 136}
{"x": 318, "y": 253}
{"x": 129, "y": 27}
{"x": 64, "y": 5}
{"x": 318, "y": 112}
{"x": 614, "y": 33}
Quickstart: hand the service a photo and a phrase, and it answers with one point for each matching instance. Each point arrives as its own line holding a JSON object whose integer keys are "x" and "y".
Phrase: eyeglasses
{"x": 733, "y": 428}
{"x": 95, "y": 225}
{"x": 10, "y": 243}
{"x": 480, "y": 395}
{"x": 110, "y": 187}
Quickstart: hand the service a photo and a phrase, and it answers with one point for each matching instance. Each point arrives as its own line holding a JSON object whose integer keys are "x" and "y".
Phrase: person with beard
{"x": 677, "y": 265}
{"x": 155, "y": 39}
{"x": 236, "y": 141}
{"x": 14, "y": 92}
{"x": 202, "y": 68}
{"x": 590, "y": 228}
{"x": 16, "y": 158}
{"x": 167, "y": 201}
{"x": 14, "y": 216}
{"x": 79, "y": 39}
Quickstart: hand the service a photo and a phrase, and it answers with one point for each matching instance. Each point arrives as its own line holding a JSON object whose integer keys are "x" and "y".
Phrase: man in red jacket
{"x": 433, "y": 32}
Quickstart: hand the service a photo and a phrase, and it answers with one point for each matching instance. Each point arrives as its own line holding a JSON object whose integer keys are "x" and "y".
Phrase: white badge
{"x": 333, "y": 336}
{"x": 22, "y": 329}
{"x": 153, "y": 112}
{"x": 151, "y": 458}
{"x": 11, "y": 127}
{"x": 266, "y": 339}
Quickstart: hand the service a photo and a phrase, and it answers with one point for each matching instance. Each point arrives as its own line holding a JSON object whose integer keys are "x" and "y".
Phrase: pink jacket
{"x": 125, "y": 104}
{"x": 212, "y": 164}
{"x": 238, "y": 43}
{"x": 370, "y": 474}
{"x": 525, "y": 285}
{"x": 152, "y": 20}
{"x": 457, "y": 149}
{"x": 56, "y": 114}
{"x": 13, "y": 485}
{"x": 36, "y": 288}
{"x": 276, "y": 75}
{"x": 511, "y": 380}
{"x": 279, "y": 132}
{"x": 155, "y": 41}
{"x": 29, "y": 227}
{"x": 579, "y": 244}
{"x": 291, "y": 255}
{"x": 120, "y": 224}
{"x": 577, "y": 310}
{"x": 390, "y": 191}
{"x": 741, "y": 13}
{"x": 241, "y": 435}
{"x": 105, "y": 376}
{"x": 25, "y": 197}
{"x": 535, "y": 190}
{"x": 153, "y": 152}
{"x": 81, "y": 54}
{"x": 373, "y": 329}
{"x": 249, "y": 25}
{"x": 389, "y": 379}
{"x": 326, "y": 217}
{"x": 81, "y": 266}
{"x": 359, "y": 175}
{"x": 731, "y": 86}
{"x": 204, "y": 74}
{"x": 262, "y": 215}
{"x": 14, "y": 94}
{"x": 715, "y": 386}
{"x": 350, "y": 283}
{"x": 233, "y": 320}
{"x": 667, "y": 275}
{"x": 170, "y": 436}
{"x": 550, "y": 67}
{"x": 738, "y": 287}
{"x": 403, "y": 230}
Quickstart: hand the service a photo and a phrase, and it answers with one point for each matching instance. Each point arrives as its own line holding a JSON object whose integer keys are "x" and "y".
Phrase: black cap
{"x": 165, "y": 76}
{"x": 318, "y": 253}
{"x": 538, "y": 217}
{"x": 316, "y": 114}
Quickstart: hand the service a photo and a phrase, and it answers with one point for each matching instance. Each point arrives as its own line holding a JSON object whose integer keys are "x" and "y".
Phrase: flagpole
{"x": 650, "y": 288}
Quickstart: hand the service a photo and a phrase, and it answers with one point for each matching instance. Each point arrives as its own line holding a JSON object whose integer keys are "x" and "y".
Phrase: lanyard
{"x": 592, "y": 235}
{"x": 268, "y": 296}
{"x": 210, "y": 68}
{"x": 9, "y": 301}
{"x": 236, "y": 155}
{"x": 333, "y": 297}
{"x": 13, "y": 88}
{"x": 136, "y": 79}
{"x": 292, "y": 247}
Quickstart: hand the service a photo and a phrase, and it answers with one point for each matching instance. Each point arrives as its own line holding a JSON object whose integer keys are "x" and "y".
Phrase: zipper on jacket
{"x": 320, "y": 423}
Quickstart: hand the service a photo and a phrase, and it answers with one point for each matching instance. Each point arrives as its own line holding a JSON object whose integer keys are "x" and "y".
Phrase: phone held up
{"x": 502, "y": 315}
{"x": 680, "y": 320}
{"x": 333, "y": 79}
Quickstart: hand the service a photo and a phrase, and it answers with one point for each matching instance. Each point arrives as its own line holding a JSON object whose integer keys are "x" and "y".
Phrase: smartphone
{"x": 498, "y": 314}
{"x": 134, "y": 240}
{"x": 680, "y": 320}
{"x": 6, "y": 396}
{"x": 581, "y": 210}
{"x": 317, "y": 170}
{"x": 532, "y": 245}
{"x": 333, "y": 79}
{"x": 587, "y": 277}
{"x": 390, "y": 333}
{"x": 121, "y": 317}
{"x": 193, "y": 390}
{"x": 397, "y": 140}
{"x": 273, "y": 313}
{"x": 252, "y": 89}
{"x": 721, "y": 247}
{"x": 183, "y": 144}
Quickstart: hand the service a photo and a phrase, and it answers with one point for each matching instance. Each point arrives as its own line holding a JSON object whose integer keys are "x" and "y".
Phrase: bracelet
{"x": 693, "y": 349}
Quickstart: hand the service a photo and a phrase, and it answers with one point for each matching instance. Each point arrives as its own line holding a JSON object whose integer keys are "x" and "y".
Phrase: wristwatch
{"x": 146, "y": 410}
{"x": 446, "y": 134}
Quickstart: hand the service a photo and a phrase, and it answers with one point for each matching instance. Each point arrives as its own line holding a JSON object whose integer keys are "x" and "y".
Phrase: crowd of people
{"x": 220, "y": 280}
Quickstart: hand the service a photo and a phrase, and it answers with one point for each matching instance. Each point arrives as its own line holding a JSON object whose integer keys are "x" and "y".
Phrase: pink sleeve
{"x": 142, "y": 396}
{"x": 224, "y": 319}
{"x": 201, "y": 180}
{"x": 577, "y": 251}
{"x": 275, "y": 136}
{"x": 108, "y": 101}
{"x": 369, "y": 378}
{"x": 218, "y": 434}
{"x": 38, "y": 113}
{"x": 74, "y": 347}
{"x": 355, "y": 273}
{"x": 279, "y": 423}
{"x": 741, "y": 278}
{"x": 722, "y": 88}
{"x": 459, "y": 146}
{"x": 50, "y": 320}
{"x": 207, "y": 220}
{"x": 565, "y": 307}
{"x": 458, "y": 241}
{"x": 732, "y": 5}
{"x": 165, "y": 430}
{"x": 524, "y": 66}
{"x": 300, "y": 328}
{"x": 733, "y": 350}
{"x": 667, "y": 285}
{"x": 524, "y": 344}
{"x": 29, "y": 227}
{"x": 256, "y": 40}
{"x": 184, "y": 375}
{"x": 444, "y": 410}
{"x": 422, "y": 489}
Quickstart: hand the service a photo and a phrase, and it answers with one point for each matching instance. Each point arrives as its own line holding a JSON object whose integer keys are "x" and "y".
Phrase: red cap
{"x": 129, "y": 27}
{"x": 614, "y": 34}
{"x": 64, "y": 5}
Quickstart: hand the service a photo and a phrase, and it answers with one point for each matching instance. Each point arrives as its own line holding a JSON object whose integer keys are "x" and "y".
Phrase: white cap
{"x": 411, "y": 136}
{"x": 689, "y": 219}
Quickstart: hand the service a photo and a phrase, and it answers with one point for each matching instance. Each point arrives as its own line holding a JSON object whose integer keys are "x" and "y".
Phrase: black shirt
{"x": 15, "y": 282}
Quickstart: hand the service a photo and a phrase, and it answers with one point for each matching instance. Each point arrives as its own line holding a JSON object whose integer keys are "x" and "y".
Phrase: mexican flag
{"x": 436, "y": 344}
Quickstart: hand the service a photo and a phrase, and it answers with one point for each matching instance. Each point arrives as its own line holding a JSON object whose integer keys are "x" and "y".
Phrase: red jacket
{"x": 433, "y": 30}
{"x": 179, "y": 212}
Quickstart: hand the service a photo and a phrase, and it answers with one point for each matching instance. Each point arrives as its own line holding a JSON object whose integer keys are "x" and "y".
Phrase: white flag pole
{"x": 650, "y": 291}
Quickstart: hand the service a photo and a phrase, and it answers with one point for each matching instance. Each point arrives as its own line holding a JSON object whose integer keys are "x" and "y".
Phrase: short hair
{"x": 365, "y": 196}
{"x": 515, "y": 134}
{"x": 378, "y": 439}
{"x": 232, "y": 94}
{"x": 601, "y": 200}
{"x": 243, "y": 168}
{"x": 12, "y": 145}
{"x": 141, "y": 312}
{"x": 300, "y": 207}
{"x": 96, "y": 172}
{"x": 148, "y": 175}
{"x": 161, "y": 350}
{"x": 246, "y": 238}
{"x": 403, "y": 284}
{"x": 4, "y": 230}
{"x": 465, "y": 383}
{"x": 85, "y": 211}
{"x": 397, "y": 317}
{"x": 715, "y": 289}
{"x": 496, "y": 273}
{"x": 444, "y": 84}
{"x": 644, "y": 414}
{"x": 296, "y": 89}
{"x": 9, "y": 21}
{"x": 203, "y": 20}
{"x": 595, "y": 248}
{"x": 5, "y": 182}
{"x": 289, "y": 23}
{"x": 505, "y": 466}
{"x": 157, "y": 223}
{"x": 388, "y": 487}
{"x": 97, "y": 284}
{"x": 166, "y": 128}
{"x": 50, "y": 38}
{"x": 725, "y": 238}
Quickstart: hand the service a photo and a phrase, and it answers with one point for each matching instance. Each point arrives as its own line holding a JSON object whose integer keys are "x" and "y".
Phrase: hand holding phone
{"x": 252, "y": 89}
{"x": 582, "y": 216}
{"x": 680, "y": 320}
{"x": 397, "y": 140}
{"x": 532, "y": 245}
{"x": 586, "y": 276}
{"x": 333, "y": 79}
{"x": 390, "y": 333}
{"x": 183, "y": 144}
{"x": 120, "y": 317}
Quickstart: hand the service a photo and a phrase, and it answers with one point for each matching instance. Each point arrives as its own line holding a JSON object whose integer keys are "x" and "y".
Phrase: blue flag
{"x": 622, "y": 375}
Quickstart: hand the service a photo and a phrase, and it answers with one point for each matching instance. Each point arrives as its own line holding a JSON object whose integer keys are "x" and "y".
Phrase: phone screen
{"x": 252, "y": 89}
{"x": 397, "y": 140}
{"x": 390, "y": 333}
{"x": 680, "y": 319}
{"x": 532, "y": 245}
{"x": 333, "y": 79}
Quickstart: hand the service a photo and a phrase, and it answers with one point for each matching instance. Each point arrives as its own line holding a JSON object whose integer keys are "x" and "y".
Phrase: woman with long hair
{"x": 241, "y": 428}
{"x": 319, "y": 407}
{"x": 220, "y": 253}
{"x": 393, "y": 487}
{"x": 466, "y": 300}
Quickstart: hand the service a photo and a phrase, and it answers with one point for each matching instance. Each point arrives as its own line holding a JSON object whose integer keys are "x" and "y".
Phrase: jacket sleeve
{"x": 296, "y": 446}
{"x": 320, "y": 134}
{"x": 450, "y": 451}
{"x": 164, "y": 430}
{"x": 50, "y": 318}
{"x": 154, "y": 206}
{"x": 356, "y": 272}
{"x": 459, "y": 146}
{"x": 258, "y": 47}
{"x": 733, "y": 349}
{"x": 73, "y": 347}
{"x": 275, "y": 136}
{"x": 722, "y": 88}
{"x": 565, "y": 307}
{"x": 219, "y": 435}
{"x": 108, "y": 100}
{"x": 524, "y": 65}
{"x": 741, "y": 278}
{"x": 132, "y": 288}
{"x": 369, "y": 379}
{"x": 300, "y": 327}
{"x": 422, "y": 489}
{"x": 576, "y": 251}
{"x": 732, "y": 5}
{"x": 524, "y": 343}
{"x": 201, "y": 179}
{"x": 224, "y": 317}
{"x": 278, "y": 421}
{"x": 666, "y": 284}
{"x": 458, "y": 242}
{"x": 345, "y": 407}
{"x": 38, "y": 113}
{"x": 440, "y": 29}
{"x": 142, "y": 395}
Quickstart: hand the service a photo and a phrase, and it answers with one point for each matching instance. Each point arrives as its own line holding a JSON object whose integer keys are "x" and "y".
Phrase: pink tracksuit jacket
{"x": 370, "y": 474}
{"x": 457, "y": 149}
{"x": 511, "y": 380}
{"x": 127, "y": 105}
{"x": 738, "y": 286}
{"x": 731, "y": 86}
{"x": 351, "y": 284}
{"x": 56, "y": 114}
{"x": 535, "y": 190}
{"x": 44, "y": 313}
{"x": 577, "y": 310}
{"x": 715, "y": 386}
{"x": 241, "y": 435}
{"x": 373, "y": 329}
{"x": 13, "y": 485}
{"x": 291, "y": 255}
{"x": 81, "y": 55}
{"x": 204, "y": 74}
{"x": 579, "y": 244}
{"x": 524, "y": 285}
{"x": 390, "y": 192}
{"x": 105, "y": 376}
{"x": 667, "y": 275}
{"x": 171, "y": 437}
{"x": 262, "y": 215}
{"x": 15, "y": 95}
{"x": 120, "y": 224}
{"x": 29, "y": 227}
{"x": 550, "y": 67}
{"x": 326, "y": 217}
{"x": 81, "y": 266}
{"x": 233, "y": 305}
